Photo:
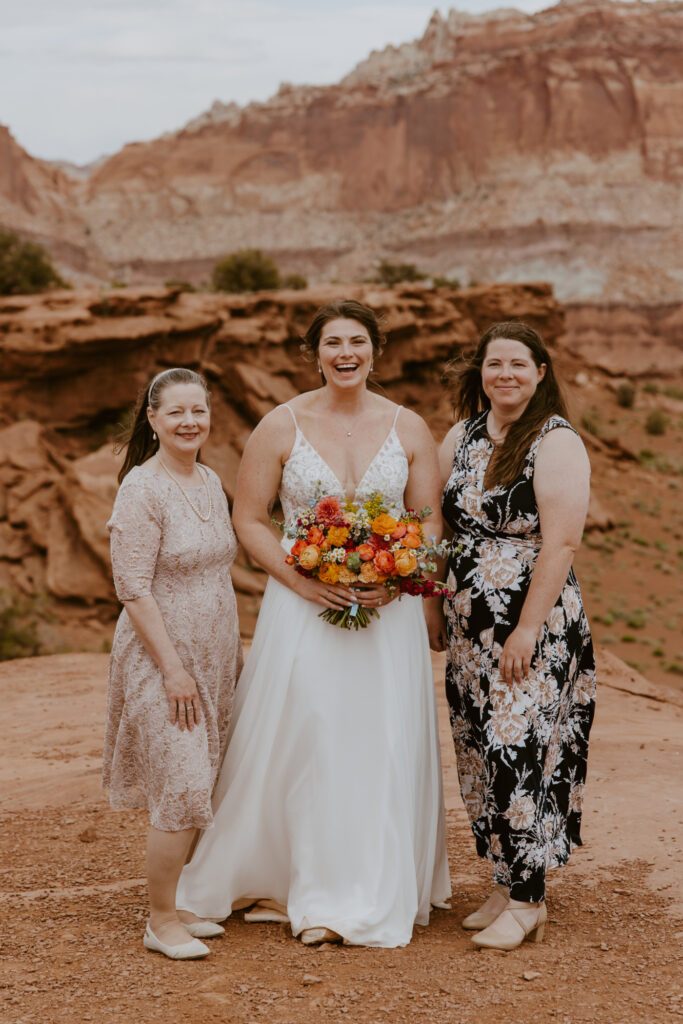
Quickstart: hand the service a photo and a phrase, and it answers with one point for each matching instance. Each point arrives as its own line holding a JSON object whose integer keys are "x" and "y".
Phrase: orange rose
{"x": 383, "y": 524}
{"x": 337, "y": 536}
{"x": 399, "y": 532}
{"x": 366, "y": 552}
{"x": 413, "y": 528}
{"x": 329, "y": 572}
{"x": 406, "y": 562}
{"x": 289, "y": 560}
{"x": 315, "y": 536}
{"x": 368, "y": 573}
{"x": 384, "y": 560}
{"x": 309, "y": 557}
{"x": 298, "y": 547}
{"x": 411, "y": 540}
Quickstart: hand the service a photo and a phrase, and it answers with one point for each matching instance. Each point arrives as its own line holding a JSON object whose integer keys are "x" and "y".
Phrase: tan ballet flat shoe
{"x": 267, "y": 910}
{"x": 488, "y": 911}
{"x": 314, "y": 936}
{"x": 185, "y": 951}
{"x": 511, "y": 928}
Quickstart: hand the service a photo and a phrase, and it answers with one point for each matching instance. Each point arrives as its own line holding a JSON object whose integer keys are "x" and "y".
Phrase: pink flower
{"x": 328, "y": 512}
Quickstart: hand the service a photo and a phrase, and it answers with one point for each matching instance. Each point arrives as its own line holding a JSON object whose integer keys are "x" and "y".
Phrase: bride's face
{"x": 345, "y": 353}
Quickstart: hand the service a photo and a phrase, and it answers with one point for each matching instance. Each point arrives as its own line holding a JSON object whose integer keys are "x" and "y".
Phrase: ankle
{"x": 159, "y": 918}
{"x": 523, "y": 905}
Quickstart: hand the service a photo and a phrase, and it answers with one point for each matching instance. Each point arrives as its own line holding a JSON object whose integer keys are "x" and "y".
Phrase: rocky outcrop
{"x": 73, "y": 364}
{"x": 497, "y": 147}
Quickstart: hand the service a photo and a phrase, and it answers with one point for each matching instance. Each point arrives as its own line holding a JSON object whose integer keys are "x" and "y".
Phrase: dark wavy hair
{"x": 138, "y": 439}
{"x": 346, "y": 309}
{"x": 464, "y": 378}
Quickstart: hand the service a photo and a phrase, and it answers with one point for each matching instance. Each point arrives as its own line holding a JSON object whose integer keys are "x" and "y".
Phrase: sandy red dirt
{"x": 72, "y": 896}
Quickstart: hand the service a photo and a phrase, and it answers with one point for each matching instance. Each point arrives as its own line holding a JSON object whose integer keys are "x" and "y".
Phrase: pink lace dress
{"x": 159, "y": 546}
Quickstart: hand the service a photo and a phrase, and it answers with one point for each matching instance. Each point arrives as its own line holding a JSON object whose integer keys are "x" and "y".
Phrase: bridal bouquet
{"x": 366, "y": 544}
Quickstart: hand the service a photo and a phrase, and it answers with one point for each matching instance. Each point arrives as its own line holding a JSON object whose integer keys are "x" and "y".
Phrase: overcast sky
{"x": 79, "y": 78}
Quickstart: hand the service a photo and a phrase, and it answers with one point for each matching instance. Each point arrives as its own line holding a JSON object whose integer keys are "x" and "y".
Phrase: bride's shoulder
{"x": 413, "y": 432}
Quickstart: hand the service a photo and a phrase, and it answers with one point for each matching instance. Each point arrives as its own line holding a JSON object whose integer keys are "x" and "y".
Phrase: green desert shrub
{"x": 25, "y": 267}
{"x": 394, "y": 273}
{"x": 181, "y": 286}
{"x": 296, "y": 281}
{"x": 445, "y": 282}
{"x": 246, "y": 270}
{"x": 626, "y": 394}
{"x": 18, "y": 635}
{"x": 656, "y": 422}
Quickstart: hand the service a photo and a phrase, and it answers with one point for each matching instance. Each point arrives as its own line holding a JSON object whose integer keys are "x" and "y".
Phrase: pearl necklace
{"x": 205, "y": 478}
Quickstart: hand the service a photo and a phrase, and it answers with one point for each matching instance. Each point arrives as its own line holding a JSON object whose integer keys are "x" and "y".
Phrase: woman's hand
{"x": 329, "y": 595}
{"x": 436, "y": 622}
{"x": 373, "y": 596}
{"x": 515, "y": 659}
{"x": 183, "y": 698}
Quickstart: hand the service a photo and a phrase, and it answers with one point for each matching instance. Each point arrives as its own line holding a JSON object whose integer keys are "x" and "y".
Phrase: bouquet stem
{"x": 355, "y": 617}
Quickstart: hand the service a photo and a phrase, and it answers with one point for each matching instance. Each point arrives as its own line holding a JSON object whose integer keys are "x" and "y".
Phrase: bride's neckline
{"x": 374, "y": 458}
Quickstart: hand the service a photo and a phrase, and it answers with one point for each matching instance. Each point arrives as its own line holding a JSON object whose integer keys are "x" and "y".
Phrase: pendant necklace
{"x": 205, "y": 480}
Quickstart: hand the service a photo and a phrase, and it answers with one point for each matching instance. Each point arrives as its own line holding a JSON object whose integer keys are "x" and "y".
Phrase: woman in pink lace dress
{"x": 176, "y": 653}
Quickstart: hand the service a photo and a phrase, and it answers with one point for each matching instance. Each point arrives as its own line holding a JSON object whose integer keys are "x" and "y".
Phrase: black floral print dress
{"x": 521, "y": 749}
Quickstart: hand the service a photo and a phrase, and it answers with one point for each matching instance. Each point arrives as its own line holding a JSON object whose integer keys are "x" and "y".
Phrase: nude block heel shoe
{"x": 488, "y": 911}
{"x": 511, "y": 928}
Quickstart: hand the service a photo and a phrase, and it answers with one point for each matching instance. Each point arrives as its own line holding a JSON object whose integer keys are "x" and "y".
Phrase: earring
{"x": 154, "y": 436}
{"x": 320, "y": 369}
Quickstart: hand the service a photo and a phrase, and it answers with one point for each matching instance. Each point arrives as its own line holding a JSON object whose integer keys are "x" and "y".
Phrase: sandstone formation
{"x": 74, "y": 362}
{"x": 504, "y": 146}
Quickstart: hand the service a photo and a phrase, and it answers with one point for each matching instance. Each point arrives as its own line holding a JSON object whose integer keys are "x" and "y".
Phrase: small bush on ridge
{"x": 246, "y": 270}
{"x": 25, "y": 267}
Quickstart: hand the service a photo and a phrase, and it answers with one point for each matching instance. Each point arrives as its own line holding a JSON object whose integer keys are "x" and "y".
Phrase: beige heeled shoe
{"x": 267, "y": 910}
{"x": 314, "y": 936}
{"x": 488, "y": 911}
{"x": 512, "y": 927}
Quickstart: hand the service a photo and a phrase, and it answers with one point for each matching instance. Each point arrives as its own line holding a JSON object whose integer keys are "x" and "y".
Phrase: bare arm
{"x": 424, "y": 489}
{"x": 258, "y": 482}
{"x": 562, "y": 489}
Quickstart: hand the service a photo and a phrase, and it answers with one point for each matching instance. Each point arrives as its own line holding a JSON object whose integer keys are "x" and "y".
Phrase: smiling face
{"x": 345, "y": 353}
{"x": 509, "y": 376}
{"x": 182, "y": 421}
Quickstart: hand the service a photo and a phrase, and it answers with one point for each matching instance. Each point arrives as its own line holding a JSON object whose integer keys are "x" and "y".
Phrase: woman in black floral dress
{"x": 521, "y": 674}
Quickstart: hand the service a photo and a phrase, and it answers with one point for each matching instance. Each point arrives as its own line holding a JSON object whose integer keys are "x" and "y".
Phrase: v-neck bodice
{"x": 306, "y": 476}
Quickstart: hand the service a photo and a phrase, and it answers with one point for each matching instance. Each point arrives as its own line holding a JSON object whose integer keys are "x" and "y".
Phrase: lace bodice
{"x": 306, "y": 476}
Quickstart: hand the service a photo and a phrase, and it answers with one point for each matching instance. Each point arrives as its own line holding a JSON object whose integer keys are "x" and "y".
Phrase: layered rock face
{"x": 501, "y": 147}
{"x": 73, "y": 364}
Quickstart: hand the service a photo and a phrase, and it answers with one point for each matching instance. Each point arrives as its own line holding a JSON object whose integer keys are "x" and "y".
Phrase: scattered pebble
{"x": 530, "y": 975}
{"x": 311, "y": 979}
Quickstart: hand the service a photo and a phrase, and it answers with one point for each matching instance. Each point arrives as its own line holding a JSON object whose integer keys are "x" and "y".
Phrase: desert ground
{"x": 72, "y": 899}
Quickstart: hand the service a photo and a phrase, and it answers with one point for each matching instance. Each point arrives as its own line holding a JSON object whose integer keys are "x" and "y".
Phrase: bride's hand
{"x": 373, "y": 596}
{"x": 329, "y": 595}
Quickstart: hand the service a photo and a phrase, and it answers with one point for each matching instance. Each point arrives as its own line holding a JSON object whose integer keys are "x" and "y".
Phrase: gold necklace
{"x": 205, "y": 479}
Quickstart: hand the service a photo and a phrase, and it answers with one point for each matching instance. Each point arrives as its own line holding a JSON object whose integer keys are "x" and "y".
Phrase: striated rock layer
{"x": 500, "y": 147}
{"x": 73, "y": 363}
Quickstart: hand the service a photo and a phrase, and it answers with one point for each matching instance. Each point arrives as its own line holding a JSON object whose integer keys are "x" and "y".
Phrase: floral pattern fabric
{"x": 521, "y": 749}
{"x": 160, "y": 547}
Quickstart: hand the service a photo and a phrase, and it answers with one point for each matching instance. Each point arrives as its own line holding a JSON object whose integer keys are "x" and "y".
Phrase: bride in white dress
{"x": 328, "y": 809}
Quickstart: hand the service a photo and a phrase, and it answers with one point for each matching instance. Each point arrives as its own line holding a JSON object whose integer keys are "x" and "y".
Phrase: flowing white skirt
{"x": 330, "y": 798}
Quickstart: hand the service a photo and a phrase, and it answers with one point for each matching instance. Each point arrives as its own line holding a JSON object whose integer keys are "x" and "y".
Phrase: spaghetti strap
{"x": 393, "y": 425}
{"x": 286, "y": 406}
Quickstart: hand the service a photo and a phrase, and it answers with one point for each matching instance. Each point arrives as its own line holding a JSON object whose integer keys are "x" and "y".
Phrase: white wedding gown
{"x": 329, "y": 799}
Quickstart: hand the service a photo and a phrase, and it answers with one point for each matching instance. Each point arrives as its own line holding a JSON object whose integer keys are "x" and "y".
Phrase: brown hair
{"x": 469, "y": 399}
{"x": 346, "y": 309}
{"x": 138, "y": 440}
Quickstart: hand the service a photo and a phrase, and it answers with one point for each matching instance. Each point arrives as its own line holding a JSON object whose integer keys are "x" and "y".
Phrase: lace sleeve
{"x": 135, "y": 535}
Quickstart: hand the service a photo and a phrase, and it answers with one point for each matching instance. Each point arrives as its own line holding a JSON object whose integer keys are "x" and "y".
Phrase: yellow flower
{"x": 337, "y": 536}
{"x": 383, "y": 524}
{"x": 309, "y": 557}
{"x": 405, "y": 562}
{"x": 328, "y": 572}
